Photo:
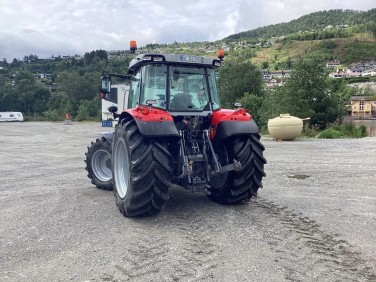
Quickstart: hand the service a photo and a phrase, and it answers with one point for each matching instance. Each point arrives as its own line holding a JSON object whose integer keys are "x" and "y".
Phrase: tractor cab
{"x": 178, "y": 84}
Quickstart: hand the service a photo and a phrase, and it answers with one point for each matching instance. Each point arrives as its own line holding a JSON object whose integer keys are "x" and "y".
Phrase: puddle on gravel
{"x": 299, "y": 176}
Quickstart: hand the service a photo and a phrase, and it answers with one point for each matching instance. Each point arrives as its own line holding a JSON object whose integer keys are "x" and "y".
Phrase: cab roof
{"x": 173, "y": 58}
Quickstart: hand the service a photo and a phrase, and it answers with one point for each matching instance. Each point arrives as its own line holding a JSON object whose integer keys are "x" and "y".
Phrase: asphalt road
{"x": 314, "y": 220}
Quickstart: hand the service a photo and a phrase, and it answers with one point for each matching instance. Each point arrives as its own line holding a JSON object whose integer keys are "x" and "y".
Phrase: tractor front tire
{"x": 141, "y": 169}
{"x": 238, "y": 186}
{"x": 98, "y": 163}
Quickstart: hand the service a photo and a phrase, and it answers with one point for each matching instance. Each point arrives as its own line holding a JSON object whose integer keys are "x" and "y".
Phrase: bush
{"x": 350, "y": 130}
{"x": 264, "y": 130}
{"x": 310, "y": 131}
{"x": 88, "y": 110}
{"x": 54, "y": 115}
{"x": 361, "y": 131}
{"x": 331, "y": 134}
{"x": 35, "y": 118}
{"x": 345, "y": 129}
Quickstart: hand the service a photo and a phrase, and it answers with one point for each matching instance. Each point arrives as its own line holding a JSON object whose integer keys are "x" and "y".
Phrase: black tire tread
{"x": 242, "y": 185}
{"x": 150, "y": 172}
{"x": 100, "y": 143}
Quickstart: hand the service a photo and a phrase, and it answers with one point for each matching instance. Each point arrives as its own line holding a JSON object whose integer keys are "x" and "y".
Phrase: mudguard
{"x": 152, "y": 122}
{"x": 108, "y": 136}
{"x": 226, "y": 123}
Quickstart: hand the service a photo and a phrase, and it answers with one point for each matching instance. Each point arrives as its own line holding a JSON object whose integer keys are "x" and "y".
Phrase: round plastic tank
{"x": 285, "y": 127}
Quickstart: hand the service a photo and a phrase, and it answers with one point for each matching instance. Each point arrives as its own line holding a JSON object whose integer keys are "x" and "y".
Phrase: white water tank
{"x": 285, "y": 127}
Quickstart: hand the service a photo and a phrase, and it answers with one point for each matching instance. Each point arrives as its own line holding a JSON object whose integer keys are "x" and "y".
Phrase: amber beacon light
{"x": 133, "y": 45}
{"x": 221, "y": 54}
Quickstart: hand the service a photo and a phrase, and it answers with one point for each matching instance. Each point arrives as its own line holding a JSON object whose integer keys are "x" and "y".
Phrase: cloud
{"x": 62, "y": 27}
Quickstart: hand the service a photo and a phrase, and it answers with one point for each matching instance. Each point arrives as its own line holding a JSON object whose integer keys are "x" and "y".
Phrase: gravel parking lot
{"x": 314, "y": 220}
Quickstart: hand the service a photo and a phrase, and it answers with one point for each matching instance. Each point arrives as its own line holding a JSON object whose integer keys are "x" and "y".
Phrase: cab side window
{"x": 154, "y": 85}
{"x": 135, "y": 89}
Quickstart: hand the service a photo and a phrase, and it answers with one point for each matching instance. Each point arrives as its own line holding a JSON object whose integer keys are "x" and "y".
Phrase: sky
{"x": 69, "y": 27}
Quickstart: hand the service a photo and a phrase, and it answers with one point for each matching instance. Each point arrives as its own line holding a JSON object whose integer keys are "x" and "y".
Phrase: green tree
{"x": 270, "y": 107}
{"x": 307, "y": 93}
{"x": 88, "y": 110}
{"x": 8, "y": 101}
{"x": 253, "y": 104}
{"x": 264, "y": 64}
{"x": 237, "y": 78}
{"x": 58, "y": 106}
{"x": 25, "y": 86}
{"x": 41, "y": 100}
{"x": 289, "y": 63}
{"x": 78, "y": 88}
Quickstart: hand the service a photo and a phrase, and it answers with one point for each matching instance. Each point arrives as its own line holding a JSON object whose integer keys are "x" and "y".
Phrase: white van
{"x": 11, "y": 116}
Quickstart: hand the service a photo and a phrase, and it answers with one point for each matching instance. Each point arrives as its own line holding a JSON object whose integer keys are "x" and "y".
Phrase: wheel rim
{"x": 101, "y": 165}
{"x": 121, "y": 168}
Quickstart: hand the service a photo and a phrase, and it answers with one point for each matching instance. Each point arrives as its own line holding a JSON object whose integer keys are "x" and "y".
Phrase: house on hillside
{"x": 369, "y": 72}
{"x": 265, "y": 74}
{"x": 42, "y": 76}
{"x": 275, "y": 79}
{"x": 338, "y": 74}
{"x": 362, "y": 106}
{"x": 274, "y": 83}
{"x": 333, "y": 64}
{"x": 280, "y": 74}
{"x": 355, "y": 70}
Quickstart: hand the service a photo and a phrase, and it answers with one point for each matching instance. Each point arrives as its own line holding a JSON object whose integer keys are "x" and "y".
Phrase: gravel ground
{"x": 314, "y": 220}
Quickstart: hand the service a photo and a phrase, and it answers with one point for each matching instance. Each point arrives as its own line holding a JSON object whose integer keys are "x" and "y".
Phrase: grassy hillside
{"x": 347, "y": 35}
{"x": 311, "y": 22}
{"x": 347, "y": 50}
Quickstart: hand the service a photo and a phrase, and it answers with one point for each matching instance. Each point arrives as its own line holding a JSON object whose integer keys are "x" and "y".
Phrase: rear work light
{"x": 158, "y": 58}
{"x": 153, "y": 58}
{"x": 241, "y": 111}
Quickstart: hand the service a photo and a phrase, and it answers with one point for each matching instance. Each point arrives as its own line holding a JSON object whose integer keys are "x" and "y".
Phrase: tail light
{"x": 144, "y": 110}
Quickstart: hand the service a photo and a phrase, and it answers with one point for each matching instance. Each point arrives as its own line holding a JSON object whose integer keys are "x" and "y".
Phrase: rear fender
{"x": 109, "y": 136}
{"x": 152, "y": 123}
{"x": 227, "y": 123}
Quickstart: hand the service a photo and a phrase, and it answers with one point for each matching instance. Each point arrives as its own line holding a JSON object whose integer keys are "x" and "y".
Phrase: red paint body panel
{"x": 227, "y": 115}
{"x": 152, "y": 115}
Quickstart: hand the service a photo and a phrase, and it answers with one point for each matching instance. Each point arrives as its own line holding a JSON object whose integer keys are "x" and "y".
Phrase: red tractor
{"x": 174, "y": 131}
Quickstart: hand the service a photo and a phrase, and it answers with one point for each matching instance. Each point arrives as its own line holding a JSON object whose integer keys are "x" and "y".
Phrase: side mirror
{"x": 112, "y": 109}
{"x": 105, "y": 84}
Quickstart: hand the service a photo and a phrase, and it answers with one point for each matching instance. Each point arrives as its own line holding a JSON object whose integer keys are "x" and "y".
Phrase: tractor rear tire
{"x": 98, "y": 163}
{"x": 238, "y": 186}
{"x": 141, "y": 169}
